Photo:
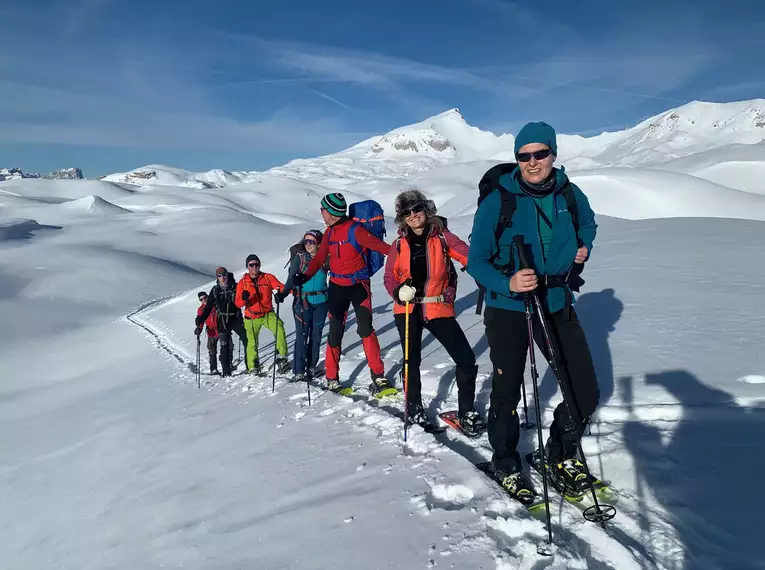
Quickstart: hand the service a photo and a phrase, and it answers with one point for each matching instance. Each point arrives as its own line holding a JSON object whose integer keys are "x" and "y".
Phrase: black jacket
{"x": 222, "y": 298}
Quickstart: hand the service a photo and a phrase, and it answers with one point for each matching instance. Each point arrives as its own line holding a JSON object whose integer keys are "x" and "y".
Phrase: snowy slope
{"x": 116, "y": 460}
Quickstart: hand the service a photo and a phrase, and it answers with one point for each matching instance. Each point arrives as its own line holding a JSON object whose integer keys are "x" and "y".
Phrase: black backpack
{"x": 490, "y": 182}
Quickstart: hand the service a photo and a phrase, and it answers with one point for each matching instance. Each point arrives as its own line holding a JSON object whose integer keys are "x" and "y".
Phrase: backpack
{"x": 490, "y": 182}
{"x": 369, "y": 214}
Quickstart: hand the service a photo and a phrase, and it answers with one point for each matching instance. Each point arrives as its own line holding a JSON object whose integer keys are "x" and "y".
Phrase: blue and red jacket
{"x": 345, "y": 260}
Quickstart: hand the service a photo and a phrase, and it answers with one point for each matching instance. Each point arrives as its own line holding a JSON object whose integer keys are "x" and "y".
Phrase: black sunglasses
{"x": 253, "y": 264}
{"x": 310, "y": 242}
{"x": 219, "y": 275}
{"x": 537, "y": 154}
{"x": 416, "y": 209}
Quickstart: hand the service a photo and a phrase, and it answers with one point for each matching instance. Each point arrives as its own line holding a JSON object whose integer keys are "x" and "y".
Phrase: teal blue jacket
{"x": 562, "y": 249}
{"x": 317, "y": 283}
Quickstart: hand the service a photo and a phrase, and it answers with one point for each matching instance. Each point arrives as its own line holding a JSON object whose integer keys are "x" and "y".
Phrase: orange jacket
{"x": 260, "y": 301}
{"x": 440, "y": 247}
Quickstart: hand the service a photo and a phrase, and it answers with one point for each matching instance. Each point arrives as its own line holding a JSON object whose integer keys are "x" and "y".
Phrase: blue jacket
{"x": 562, "y": 249}
{"x": 316, "y": 283}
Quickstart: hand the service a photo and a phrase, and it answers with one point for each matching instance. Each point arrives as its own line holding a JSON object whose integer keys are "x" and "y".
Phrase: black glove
{"x": 299, "y": 279}
{"x": 279, "y": 296}
{"x": 198, "y": 321}
{"x": 245, "y": 295}
{"x": 408, "y": 282}
{"x": 198, "y": 331}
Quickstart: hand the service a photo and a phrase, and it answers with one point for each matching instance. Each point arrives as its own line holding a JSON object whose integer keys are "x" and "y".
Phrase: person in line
{"x": 221, "y": 298}
{"x": 310, "y": 306}
{"x": 419, "y": 270}
{"x": 253, "y": 293}
{"x": 211, "y": 325}
{"x": 556, "y": 245}
{"x": 348, "y": 285}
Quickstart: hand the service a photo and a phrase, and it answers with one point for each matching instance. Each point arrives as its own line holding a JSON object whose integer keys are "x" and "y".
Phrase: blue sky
{"x": 111, "y": 85}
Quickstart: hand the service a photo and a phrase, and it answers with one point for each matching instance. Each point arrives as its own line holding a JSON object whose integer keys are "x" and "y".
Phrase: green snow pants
{"x": 253, "y": 326}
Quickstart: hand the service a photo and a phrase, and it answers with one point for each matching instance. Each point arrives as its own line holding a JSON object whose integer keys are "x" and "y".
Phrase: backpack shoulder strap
{"x": 573, "y": 209}
{"x": 352, "y": 236}
{"x": 508, "y": 204}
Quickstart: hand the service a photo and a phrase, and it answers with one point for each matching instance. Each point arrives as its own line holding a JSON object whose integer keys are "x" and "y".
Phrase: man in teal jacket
{"x": 554, "y": 248}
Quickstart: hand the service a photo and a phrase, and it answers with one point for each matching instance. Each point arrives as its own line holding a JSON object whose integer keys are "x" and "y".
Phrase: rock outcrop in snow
{"x": 65, "y": 174}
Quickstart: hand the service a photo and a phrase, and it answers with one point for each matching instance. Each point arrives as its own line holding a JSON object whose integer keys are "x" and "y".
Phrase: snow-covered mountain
{"x": 447, "y": 138}
{"x": 62, "y": 174}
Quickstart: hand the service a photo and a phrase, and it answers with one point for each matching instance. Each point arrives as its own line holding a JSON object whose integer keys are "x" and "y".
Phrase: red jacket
{"x": 212, "y": 321}
{"x": 441, "y": 245}
{"x": 343, "y": 257}
{"x": 259, "y": 302}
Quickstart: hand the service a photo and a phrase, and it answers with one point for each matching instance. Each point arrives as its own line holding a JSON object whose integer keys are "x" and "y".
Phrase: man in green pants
{"x": 253, "y": 292}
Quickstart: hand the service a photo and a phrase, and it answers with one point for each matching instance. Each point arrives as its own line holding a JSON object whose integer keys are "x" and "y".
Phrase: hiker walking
{"x": 211, "y": 325}
{"x": 348, "y": 244}
{"x": 536, "y": 201}
{"x": 221, "y": 298}
{"x": 310, "y": 305}
{"x": 253, "y": 293}
{"x": 419, "y": 270}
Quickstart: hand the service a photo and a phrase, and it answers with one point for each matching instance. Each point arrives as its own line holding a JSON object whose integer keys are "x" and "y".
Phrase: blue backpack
{"x": 370, "y": 215}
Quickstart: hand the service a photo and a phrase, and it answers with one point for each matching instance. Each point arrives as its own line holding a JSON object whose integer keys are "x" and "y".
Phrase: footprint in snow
{"x": 349, "y": 519}
{"x": 448, "y": 497}
{"x": 360, "y": 467}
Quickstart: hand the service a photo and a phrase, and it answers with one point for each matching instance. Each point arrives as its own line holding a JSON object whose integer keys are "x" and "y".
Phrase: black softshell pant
{"x": 507, "y": 333}
{"x": 449, "y": 333}
{"x": 226, "y": 326}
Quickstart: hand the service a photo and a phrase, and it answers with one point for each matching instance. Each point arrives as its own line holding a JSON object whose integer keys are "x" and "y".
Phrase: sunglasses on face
{"x": 253, "y": 264}
{"x": 219, "y": 275}
{"x": 309, "y": 242}
{"x": 203, "y": 299}
{"x": 416, "y": 209}
{"x": 537, "y": 154}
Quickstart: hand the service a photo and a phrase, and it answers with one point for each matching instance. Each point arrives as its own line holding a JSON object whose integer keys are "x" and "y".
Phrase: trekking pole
{"x": 406, "y": 369}
{"x": 526, "y": 423}
{"x": 273, "y": 382}
{"x": 240, "y": 350}
{"x": 199, "y": 362}
{"x": 534, "y": 381}
{"x": 306, "y": 344}
{"x": 606, "y": 512}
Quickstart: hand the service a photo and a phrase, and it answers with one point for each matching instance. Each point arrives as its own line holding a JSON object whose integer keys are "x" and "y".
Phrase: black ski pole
{"x": 199, "y": 362}
{"x": 601, "y": 514}
{"x": 534, "y": 380}
{"x": 306, "y": 343}
{"x": 526, "y": 423}
{"x": 276, "y": 341}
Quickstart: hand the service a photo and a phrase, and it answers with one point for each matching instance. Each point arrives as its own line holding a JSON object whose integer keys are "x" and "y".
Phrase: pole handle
{"x": 521, "y": 248}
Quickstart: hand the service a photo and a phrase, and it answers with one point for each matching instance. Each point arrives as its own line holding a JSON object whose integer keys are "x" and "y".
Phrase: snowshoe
{"x": 418, "y": 417}
{"x": 380, "y": 388}
{"x": 514, "y": 484}
{"x": 299, "y": 377}
{"x": 472, "y": 424}
{"x": 333, "y": 385}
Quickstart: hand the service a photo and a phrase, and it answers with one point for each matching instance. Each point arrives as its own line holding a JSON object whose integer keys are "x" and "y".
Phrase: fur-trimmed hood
{"x": 408, "y": 198}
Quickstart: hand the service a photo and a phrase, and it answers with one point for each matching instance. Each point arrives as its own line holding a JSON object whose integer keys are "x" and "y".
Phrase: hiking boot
{"x": 333, "y": 385}
{"x": 516, "y": 485}
{"x": 257, "y": 370}
{"x": 472, "y": 424}
{"x": 569, "y": 476}
{"x": 283, "y": 365}
{"x": 378, "y": 384}
{"x": 299, "y": 377}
